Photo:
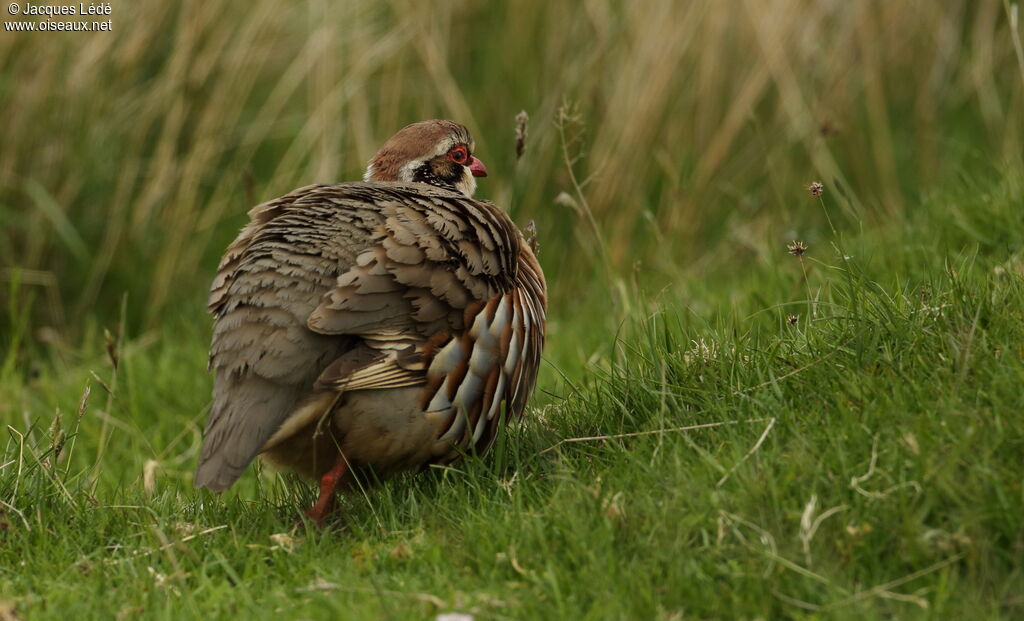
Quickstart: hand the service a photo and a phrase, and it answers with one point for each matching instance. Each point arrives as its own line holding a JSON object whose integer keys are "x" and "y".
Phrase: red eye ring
{"x": 459, "y": 154}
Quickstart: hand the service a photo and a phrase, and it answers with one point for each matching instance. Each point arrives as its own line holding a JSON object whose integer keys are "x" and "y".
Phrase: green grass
{"x": 862, "y": 462}
{"x": 832, "y": 436}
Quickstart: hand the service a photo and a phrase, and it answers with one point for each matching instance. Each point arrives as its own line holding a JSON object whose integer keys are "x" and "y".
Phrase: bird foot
{"x": 318, "y": 517}
{"x": 328, "y": 486}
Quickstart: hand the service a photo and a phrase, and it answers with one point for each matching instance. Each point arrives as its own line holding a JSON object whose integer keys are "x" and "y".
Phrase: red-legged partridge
{"x": 383, "y": 325}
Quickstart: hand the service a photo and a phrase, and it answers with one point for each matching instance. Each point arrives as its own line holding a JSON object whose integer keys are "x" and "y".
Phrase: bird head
{"x": 439, "y": 153}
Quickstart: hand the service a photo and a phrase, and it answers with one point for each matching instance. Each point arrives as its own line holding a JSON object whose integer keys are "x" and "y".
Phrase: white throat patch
{"x": 466, "y": 185}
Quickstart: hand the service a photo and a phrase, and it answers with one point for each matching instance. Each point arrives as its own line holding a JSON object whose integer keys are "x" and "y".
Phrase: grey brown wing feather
{"x": 460, "y": 276}
{"x": 263, "y": 355}
{"x": 429, "y": 262}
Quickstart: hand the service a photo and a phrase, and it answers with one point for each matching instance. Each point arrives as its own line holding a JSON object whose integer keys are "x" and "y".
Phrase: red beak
{"x": 477, "y": 167}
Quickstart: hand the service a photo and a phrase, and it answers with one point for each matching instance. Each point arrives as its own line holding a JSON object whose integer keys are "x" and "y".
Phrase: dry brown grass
{"x": 128, "y": 158}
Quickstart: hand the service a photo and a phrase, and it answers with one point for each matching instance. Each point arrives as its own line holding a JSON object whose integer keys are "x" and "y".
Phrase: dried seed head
{"x": 796, "y": 248}
{"x": 112, "y": 347}
{"x": 530, "y": 232}
{"x": 521, "y": 120}
{"x": 149, "y": 476}
{"x": 57, "y": 437}
{"x": 816, "y": 189}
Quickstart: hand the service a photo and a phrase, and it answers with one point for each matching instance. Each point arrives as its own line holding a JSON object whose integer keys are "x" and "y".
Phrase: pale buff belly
{"x": 381, "y": 430}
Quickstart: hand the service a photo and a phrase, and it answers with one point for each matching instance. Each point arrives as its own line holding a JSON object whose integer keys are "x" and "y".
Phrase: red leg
{"x": 328, "y": 486}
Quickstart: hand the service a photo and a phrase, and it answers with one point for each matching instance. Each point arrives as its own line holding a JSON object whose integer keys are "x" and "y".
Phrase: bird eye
{"x": 459, "y": 154}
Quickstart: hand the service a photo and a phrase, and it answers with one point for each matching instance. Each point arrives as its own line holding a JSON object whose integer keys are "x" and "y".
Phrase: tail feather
{"x": 246, "y": 412}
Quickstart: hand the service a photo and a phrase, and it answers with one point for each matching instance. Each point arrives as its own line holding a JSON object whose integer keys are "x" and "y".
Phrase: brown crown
{"x": 415, "y": 142}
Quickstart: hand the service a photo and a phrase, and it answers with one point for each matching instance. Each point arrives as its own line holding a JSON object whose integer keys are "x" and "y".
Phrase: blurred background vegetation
{"x": 129, "y": 159}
